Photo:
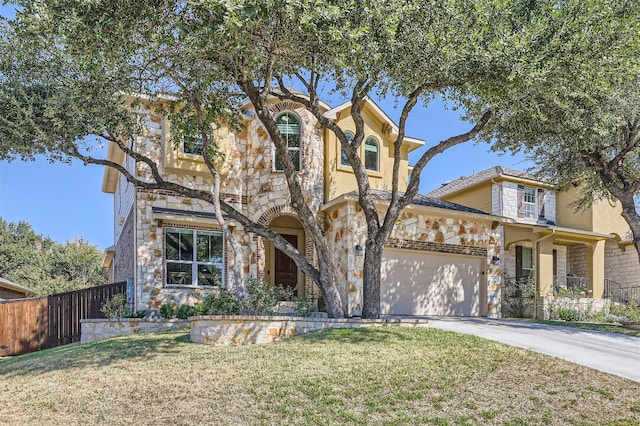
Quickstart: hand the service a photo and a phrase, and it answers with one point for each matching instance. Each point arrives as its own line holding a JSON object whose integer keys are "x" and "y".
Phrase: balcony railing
{"x": 569, "y": 285}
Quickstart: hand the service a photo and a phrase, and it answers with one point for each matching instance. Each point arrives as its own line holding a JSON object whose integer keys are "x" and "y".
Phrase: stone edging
{"x": 246, "y": 330}
{"x": 94, "y": 330}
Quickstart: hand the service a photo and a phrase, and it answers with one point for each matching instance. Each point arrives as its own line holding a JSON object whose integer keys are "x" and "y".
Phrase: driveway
{"x": 609, "y": 352}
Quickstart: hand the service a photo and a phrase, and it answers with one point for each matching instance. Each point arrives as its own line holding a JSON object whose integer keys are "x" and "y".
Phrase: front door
{"x": 286, "y": 271}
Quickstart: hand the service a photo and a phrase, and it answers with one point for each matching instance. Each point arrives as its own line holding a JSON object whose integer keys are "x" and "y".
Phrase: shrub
{"x": 115, "y": 307}
{"x": 322, "y": 304}
{"x": 262, "y": 299}
{"x": 224, "y": 302}
{"x": 168, "y": 310}
{"x": 626, "y": 313}
{"x": 304, "y": 306}
{"x": 567, "y": 314}
{"x": 185, "y": 311}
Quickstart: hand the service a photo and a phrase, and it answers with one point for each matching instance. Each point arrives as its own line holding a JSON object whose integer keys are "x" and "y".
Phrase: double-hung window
{"x": 194, "y": 257}
{"x": 344, "y": 161}
{"x": 530, "y": 204}
{"x": 372, "y": 154}
{"x": 289, "y": 126}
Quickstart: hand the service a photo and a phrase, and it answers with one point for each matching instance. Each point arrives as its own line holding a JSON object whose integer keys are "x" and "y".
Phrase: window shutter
{"x": 520, "y": 200}
{"x": 541, "y": 196}
{"x": 519, "y": 273}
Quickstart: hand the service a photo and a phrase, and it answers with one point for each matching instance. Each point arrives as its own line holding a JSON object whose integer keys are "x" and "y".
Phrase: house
{"x": 439, "y": 259}
{"x": 548, "y": 240}
{"x": 11, "y": 290}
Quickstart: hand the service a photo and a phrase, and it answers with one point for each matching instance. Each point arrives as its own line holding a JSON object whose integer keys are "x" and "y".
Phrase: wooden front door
{"x": 286, "y": 271}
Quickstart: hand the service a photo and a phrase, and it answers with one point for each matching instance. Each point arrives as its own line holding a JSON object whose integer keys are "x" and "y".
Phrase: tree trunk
{"x": 630, "y": 214}
{"x": 371, "y": 280}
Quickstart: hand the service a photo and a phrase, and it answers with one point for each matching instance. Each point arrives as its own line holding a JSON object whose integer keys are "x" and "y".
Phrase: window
{"x": 530, "y": 205}
{"x": 524, "y": 262}
{"x": 289, "y": 126}
{"x": 343, "y": 156}
{"x": 371, "y": 153}
{"x": 192, "y": 145}
{"x": 194, "y": 257}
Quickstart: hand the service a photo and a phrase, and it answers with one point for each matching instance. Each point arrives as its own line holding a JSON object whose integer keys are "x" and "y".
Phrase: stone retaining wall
{"x": 246, "y": 330}
{"x": 95, "y": 330}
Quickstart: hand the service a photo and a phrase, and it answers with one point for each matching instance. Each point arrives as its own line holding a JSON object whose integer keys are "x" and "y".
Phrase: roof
{"x": 419, "y": 201}
{"x": 427, "y": 201}
{"x": 4, "y": 283}
{"x": 465, "y": 182}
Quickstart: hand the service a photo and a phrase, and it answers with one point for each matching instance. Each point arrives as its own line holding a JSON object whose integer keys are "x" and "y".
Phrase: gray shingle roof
{"x": 424, "y": 200}
{"x": 483, "y": 176}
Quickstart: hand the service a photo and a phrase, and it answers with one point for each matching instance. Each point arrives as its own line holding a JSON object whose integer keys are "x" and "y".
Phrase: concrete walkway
{"x": 612, "y": 353}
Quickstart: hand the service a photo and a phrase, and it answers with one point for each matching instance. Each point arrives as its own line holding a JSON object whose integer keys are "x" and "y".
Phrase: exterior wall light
{"x": 495, "y": 260}
{"x": 359, "y": 250}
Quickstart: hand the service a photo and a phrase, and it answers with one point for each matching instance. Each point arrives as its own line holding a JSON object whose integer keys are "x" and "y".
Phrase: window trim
{"x": 194, "y": 263}
{"x": 298, "y": 149}
{"x": 530, "y": 208}
{"x": 377, "y": 151}
{"x": 349, "y": 134}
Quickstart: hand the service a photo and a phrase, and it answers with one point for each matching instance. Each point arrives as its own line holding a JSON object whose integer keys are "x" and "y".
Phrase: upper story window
{"x": 289, "y": 126}
{"x": 530, "y": 204}
{"x": 372, "y": 154}
{"x": 192, "y": 145}
{"x": 194, "y": 257}
{"x": 343, "y": 155}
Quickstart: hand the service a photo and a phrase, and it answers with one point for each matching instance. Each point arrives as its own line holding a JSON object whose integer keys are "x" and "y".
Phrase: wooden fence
{"x": 28, "y": 325}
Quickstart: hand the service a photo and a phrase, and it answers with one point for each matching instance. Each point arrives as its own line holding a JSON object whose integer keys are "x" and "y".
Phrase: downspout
{"x": 535, "y": 270}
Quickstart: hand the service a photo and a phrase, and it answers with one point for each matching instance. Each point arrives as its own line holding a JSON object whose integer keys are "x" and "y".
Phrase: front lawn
{"x": 598, "y": 326}
{"x": 386, "y": 376}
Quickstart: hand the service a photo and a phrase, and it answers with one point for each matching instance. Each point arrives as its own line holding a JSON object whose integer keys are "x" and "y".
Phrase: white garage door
{"x": 419, "y": 283}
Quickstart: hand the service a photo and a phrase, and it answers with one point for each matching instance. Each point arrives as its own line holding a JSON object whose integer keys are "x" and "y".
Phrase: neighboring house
{"x": 437, "y": 261}
{"x": 11, "y": 290}
{"x": 548, "y": 239}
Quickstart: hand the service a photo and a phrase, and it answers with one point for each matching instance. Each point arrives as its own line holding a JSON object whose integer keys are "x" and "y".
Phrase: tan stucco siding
{"x": 340, "y": 179}
{"x": 478, "y": 197}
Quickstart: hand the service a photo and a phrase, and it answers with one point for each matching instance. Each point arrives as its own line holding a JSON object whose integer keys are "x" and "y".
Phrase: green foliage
{"x": 116, "y": 307}
{"x": 322, "y": 305}
{"x": 626, "y": 312}
{"x": 568, "y": 314}
{"x": 185, "y": 311}
{"x": 263, "y": 299}
{"x": 222, "y": 302}
{"x": 45, "y": 266}
{"x": 304, "y": 306}
{"x": 518, "y": 294}
{"x": 168, "y": 310}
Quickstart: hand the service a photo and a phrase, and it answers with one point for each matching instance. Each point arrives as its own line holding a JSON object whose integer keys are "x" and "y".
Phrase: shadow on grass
{"x": 76, "y": 355}
{"x": 363, "y": 335}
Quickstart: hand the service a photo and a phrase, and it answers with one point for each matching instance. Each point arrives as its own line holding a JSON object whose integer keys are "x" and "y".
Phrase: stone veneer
{"x": 95, "y": 330}
{"x": 244, "y": 330}
{"x": 346, "y": 228}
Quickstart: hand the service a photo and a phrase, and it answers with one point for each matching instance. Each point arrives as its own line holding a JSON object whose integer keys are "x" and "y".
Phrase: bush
{"x": 185, "y": 311}
{"x": 567, "y": 314}
{"x": 115, "y": 307}
{"x": 224, "y": 302}
{"x": 168, "y": 310}
{"x": 322, "y": 304}
{"x": 263, "y": 300}
{"x": 629, "y": 313}
{"x": 304, "y": 306}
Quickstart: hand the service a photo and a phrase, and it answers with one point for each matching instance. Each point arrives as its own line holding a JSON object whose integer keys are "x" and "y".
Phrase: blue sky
{"x": 65, "y": 201}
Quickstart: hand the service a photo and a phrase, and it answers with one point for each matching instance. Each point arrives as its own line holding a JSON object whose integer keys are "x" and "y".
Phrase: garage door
{"x": 419, "y": 283}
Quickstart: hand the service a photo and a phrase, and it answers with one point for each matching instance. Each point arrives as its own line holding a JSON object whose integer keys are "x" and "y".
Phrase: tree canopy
{"x": 47, "y": 267}
{"x": 68, "y": 69}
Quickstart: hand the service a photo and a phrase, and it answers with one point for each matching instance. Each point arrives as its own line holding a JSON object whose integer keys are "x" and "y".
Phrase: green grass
{"x": 372, "y": 376}
{"x": 598, "y": 326}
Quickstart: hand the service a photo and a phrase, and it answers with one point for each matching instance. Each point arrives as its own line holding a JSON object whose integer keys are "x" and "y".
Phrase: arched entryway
{"x": 280, "y": 269}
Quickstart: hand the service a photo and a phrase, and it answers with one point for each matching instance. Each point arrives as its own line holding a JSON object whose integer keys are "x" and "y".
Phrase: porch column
{"x": 596, "y": 269}
{"x": 544, "y": 267}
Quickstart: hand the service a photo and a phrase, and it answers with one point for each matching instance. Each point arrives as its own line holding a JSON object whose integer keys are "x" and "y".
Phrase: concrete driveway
{"x": 609, "y": 352}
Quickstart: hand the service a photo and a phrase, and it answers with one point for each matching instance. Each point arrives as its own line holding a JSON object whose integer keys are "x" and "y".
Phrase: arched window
{"x": 343, "y": 155}
{"x": 372, "y": 154}
{"x": 289, "y": 126}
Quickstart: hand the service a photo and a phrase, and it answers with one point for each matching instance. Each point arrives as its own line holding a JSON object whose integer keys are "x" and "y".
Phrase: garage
{"x": 424, "y": 283}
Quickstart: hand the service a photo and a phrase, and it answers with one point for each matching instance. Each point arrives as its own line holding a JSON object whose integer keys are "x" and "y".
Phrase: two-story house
{"x": 439, "y": 259}
{"x": 548, "y": 240}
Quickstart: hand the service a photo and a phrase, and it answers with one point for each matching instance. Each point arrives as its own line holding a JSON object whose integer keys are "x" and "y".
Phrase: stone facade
{"x": 621, "y": 263}
{"x": 251, "y": 184}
